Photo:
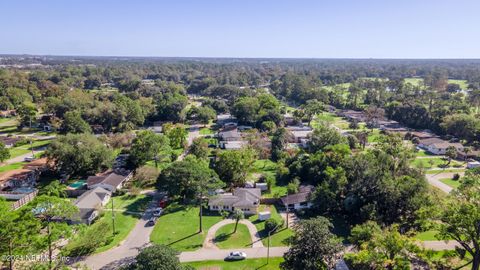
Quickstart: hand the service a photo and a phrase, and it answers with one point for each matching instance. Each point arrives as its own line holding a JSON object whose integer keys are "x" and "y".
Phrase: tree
{"x": 157, "y": 257}
{"x": 190, "y": 179}
{"x": 451, "y": 153}
{"x": 201, "y": 114}
{"x": 4, "y": 152}
{"x": 53, "y": 213}
{"x": 199, "y": 148}
{"x": 363, "y": 233}
{"x": 387, "y": 249}
{"x": 176, "y": 133}
{"x": 145, "y": 176}
{"x": 149, "y": 146}
{"x": 237, "y": 215}
{"x": 74, "y": 123}
{"x": 19, "y": 229}
{"x": 55, "y": 189}
{"x": 312, "y": 108}
{"x": 460, "y": 218}
{"x": 313, "y": 246}
{"x": 234, "y": 166}
{"x": 79, "y": 154}
{"x": 26, "y": 114}
{"x": 324, "y": 136}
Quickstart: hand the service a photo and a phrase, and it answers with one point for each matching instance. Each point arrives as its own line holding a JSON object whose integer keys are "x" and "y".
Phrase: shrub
{"x": 271, "y": 224}
{"x": 456, "y": 177}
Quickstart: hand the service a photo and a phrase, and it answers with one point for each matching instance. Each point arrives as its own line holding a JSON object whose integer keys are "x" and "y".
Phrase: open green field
{"x": 248, "y": 264}
{"x": 434, "y": 162}
{"x": 130, "y": 203}
{"x": 419, "y": 81}
{"x": 177, "y": 227}
{"x": 332, "y": 119}
{"x": 277, "y": 239}
{"x": 225, "y": 237}
{"x": 450, "y": 182}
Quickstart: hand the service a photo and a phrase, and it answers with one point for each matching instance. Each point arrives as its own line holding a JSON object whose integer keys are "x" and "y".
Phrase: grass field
{"x": 427, "y": 235}
{"x": 12, "y": 166}
{"x": 249, "y": 264}
{"x": 24, "y": 149}
{"x": 331, "y": 119}
{"x": 433, "y": 162}
{"x": 130, "y": 203}
{"x": 225, "y": 238}
{"x": 268, "y": 168}
{"x": 452, "y": 183}
{"x": 206, "y": 131}
{"x": 177, "y": 227}
{"x": 277, "y": 239}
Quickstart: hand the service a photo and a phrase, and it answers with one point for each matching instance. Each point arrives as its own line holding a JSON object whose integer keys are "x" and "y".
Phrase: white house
{"x": 299, "y": 200}
{"x": 245, "y": 199}
{"x": 473, "y": 164}
{"x": 90, "y": 202}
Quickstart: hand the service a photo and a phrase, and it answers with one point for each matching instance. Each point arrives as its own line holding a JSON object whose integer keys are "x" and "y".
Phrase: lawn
{"x": 12, "y": 166}
{"x": 249, "y": 264}
{"x": 463, "y": 83}
{"x": 426, "y": 235}
{"x": 331, "y": 119}
{"x": 452, "y": 183}
{"x": 177, "y": 227}
{"x": 131, "y": 203}
{"x": 422, "y": 153}
{"x": 268, "y": 168}
{"x": 444, "y": 171}
{"x": 206, "y": 131}
{"x": 434, "y": 162}
{"x": 414, "y": 81}
{"x": 225, "y": 238}
{"x": 24, "y": 149}
{"x": 280, "y": 237}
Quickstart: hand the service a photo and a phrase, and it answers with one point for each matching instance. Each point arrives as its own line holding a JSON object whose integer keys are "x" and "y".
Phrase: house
{"x": 90, "y": 202}
{"x": 232, "y": 145}
{"x": 473, "y": 164}
{"x": 299, "y": 200}
{"x": 223, "y": 119}
{"x": 441, "y": 148}
{"x": 18, "y": 178}
{"x": 422, "y": 135}
{"x": 301, "y": 136}
{"x": 230, "y": 134}
{"x": 245, "y": 199}
{"x": 425, "y": 143}
{"x": 110, "y": 182}
{"x": 9, "y": 141}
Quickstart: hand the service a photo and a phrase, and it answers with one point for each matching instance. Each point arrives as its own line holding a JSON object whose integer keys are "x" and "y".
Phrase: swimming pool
{"x": 77, "y": 184}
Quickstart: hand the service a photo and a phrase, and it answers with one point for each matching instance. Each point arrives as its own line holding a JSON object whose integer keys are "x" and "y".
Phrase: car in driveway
{"x": 151, "y": 221}
{"x": 236, "y": 256}
{"x": 157, "y": 212}
{"x": 29, "y": 159}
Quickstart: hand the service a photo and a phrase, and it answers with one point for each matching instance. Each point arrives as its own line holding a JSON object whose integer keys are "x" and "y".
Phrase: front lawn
{"x": 131, "y": 203}
{"x": 178, "y": 227}
{"x": 249, "y": 264}
{"x": 452, "y": 183}
{"x": 206, "y": 131}
{"x": 225, "y": 238}
{"x": 12, "y": 166}
{"x": 434, "y": 162}
{"x": 280, "y": 237}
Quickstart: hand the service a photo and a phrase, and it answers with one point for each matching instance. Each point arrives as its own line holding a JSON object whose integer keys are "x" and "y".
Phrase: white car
{"x": 29, "y": 159}
{"x": 236, "y": 256}
{"x": 157, "y": 212}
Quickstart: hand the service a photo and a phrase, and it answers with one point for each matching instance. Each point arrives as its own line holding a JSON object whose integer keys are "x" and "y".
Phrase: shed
{"x": 264, "y": 215}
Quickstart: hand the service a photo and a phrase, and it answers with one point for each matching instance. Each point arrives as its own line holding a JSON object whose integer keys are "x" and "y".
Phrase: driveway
{"x": 193, "y": 133}
{"x": 434, "y": 180}
{"x": 137, "y": 239}
{"x": 209, "y": 242}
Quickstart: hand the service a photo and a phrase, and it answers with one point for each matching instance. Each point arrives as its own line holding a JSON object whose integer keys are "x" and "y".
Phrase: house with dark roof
{"x": 90, "y": 202}
{"x": 245, "y": 199}
{"x": 110, "y": 182}
{"x": 299, "y": 200}
{"x": 438, "y": 146}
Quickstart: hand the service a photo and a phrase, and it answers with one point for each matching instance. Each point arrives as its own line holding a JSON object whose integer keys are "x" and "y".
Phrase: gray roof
{"x": 112, "y": 179}
{"x": 240, "y": 197}
{"x": 431, "y": 141}
{"x": 92, "y": 198}
{"x": 303, "y": 195}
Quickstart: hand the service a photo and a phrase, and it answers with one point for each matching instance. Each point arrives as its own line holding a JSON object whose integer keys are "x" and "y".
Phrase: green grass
{"x": 434, "y": 162}
{"x": 452, "y": 183}
{"x": 463, "y": 83}
{"x": 280, "y": 237}
{"x": 225, "y": 238}
{"x": 124, "y": 223}
{"x": 444, "y": 171}
{"x": 414, "y": 81}
{"x": 178, "y": 227}
{"x": 331, "y": 119}
{"x": 206, "y": 131}
{"x": 24, "y": 149}
{"x": 268, "y": 168}
{"x": 12, "y": 166}
{"x": 131, "y": 203}
{"x": 426, "y": 235}
{"x": 373, "y": 135}
{"x": 249, "y": 264}
{"x": 422, "y": 153}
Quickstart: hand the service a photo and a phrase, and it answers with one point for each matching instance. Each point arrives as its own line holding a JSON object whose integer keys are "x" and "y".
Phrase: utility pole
{"x": 31, "y": 139}
{"x": 113, "y": 218}
{"x": 268, "y": 246}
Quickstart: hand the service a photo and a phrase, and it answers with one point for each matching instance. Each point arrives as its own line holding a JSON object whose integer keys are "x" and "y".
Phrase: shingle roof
{"x": 303, "y": 195}
{"x": 92, "y": 198}
{"x": 431, "y": 141}
{"x": 240, "y": 197}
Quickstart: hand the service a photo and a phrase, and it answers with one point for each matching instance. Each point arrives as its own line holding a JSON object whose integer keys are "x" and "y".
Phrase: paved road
{"x": 215, "y": 254}
{"x": 193, "y": 133}
{"x": 138, "y": 238}
{"x": 439, "y": 245}
{"x": 434, "y": 180}
{"x": 209, "y": 242}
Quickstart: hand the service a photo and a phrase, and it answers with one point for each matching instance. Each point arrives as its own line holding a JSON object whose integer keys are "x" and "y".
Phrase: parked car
{"x": 151, "y": 221}
{"x": 236, "y": 256}
{"x": 29, "y": 159}
{"x": 157, "y": 212}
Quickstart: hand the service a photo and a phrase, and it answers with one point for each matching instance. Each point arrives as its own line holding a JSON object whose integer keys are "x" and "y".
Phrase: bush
{"x": 89, "y": 240}
{"x": 271, "y": 224}
{"x": 456, "y": 177}
{"x": 21, "y": 142}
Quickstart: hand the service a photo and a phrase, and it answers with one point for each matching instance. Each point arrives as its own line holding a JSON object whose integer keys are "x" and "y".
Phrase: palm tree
{"x": 237, "y": 215}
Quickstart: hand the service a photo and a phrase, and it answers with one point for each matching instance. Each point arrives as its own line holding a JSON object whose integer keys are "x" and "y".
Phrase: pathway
{"x": 209, "y": 242}
{"x": 193, "y": 133}
{"x": 434, "y": 180}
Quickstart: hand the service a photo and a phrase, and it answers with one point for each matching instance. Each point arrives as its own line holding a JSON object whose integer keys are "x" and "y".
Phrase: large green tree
{"x": 79, "y": 154}
{"x": 149, "y": 146}
{"x": 234, "y": 166}
{"x": 74, "y": 123}
{"x": 4, "y": 152}
{"x": 313, "y": 246}
{"x": 157, "y": 257}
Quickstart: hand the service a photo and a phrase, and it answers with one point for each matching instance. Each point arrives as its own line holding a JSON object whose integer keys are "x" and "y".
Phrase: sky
{"x": 242, "y": 28}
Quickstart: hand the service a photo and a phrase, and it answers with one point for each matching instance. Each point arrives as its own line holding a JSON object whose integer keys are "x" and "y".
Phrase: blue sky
{"x": 243, "y": 28}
